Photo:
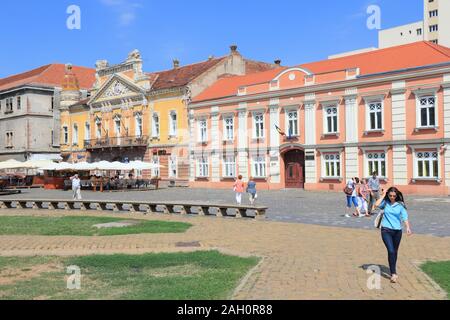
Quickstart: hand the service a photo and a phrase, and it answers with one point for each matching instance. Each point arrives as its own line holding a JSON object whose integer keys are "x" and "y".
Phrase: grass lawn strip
{"x": 440, "y": 273}
{"x": 197, "y": 275}
{"x": 82, "y": 226}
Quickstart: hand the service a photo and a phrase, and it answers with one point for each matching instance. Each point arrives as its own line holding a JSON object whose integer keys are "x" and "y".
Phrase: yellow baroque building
{"x": 133, "y": 115}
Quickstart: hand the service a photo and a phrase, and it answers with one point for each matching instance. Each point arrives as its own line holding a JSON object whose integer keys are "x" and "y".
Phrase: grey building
{"x": 29, "y": 112}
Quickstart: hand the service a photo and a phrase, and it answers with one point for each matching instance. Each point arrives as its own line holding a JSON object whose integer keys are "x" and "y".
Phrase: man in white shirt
{"x": 76, "y": 187}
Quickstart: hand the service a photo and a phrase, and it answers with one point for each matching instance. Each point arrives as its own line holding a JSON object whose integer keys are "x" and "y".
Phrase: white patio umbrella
{"x": 11, "y": 164}
{"x": 37, "y": 164}
{"x": 63, "y": 166}
{"x": 139, "y": 165}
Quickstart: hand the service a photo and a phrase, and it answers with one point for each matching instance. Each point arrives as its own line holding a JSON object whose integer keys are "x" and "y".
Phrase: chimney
{"x": 176, "y": 63}
{"x": 233, "y": 48}
{"x": 210, "y": 57}
{"x": 278, "y": 62}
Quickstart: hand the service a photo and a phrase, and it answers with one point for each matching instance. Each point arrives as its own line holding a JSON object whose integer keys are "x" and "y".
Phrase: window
{"x": 419, "y": 32}
{"x": 52, "y": 137}
{"x": 117, "y": 126}
{"x": 433, "y": 13}
{"x": 138, "y": 126}
{"x": 375, "y": 116}
{"x": 155, "y": 126}
{"x": 98, "y": 131}
{"x": 435, "y": 41}
{"x": 292, "y": 123}
{"x": 202, "y": 167}
{"x": 173, "y": 167}
{"x": 52, "y": 106}
{"x": 75, "y": 135}
{"x": 229, "y": 167}
{"x": 434, "y": 28}
{"x": 9, "y": 139}
{"x": 427, "y": 164}
{"x": 65, "y": 135}
{"x": 427, "y": 111}
{"x": 331, "y": 119}
{"x": 259, "y": 167}
{"x": 9, "y": 105}
{"x": 19, "y": 103}
{"x": 155, "y": 170}
{"x": 332, "y": 165}
{"x": 376, "y": 161}
{"x": 229, "y": 128}
{"x": 202, "y": 131}
{"x": 173, "y": 124}
{"x": 258, "y": 125}
{"x": 87, "y": 131}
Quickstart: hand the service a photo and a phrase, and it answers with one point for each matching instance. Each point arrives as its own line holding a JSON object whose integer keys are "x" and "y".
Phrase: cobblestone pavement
{"x": 299, "y": 261}
{"x": 427, "y": 215}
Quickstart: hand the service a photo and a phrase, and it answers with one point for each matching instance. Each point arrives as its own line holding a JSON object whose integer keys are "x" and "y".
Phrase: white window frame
{"x": 155, "y": 171}
{"x": 138, "y": 125}
{"x": 376, "y": 156}
{"x": 416, "y": 149}
{"x": 202, "y": 127}
{"x": 326, "y": 116}
{"x": 117, "y": 129}
{"x": 295, "y": 132}
{"x": 259, "y": 166}
{"x": 323, "y": 153}
{"x": 226, "y": 130}
{"x": 9, "y": 139}
{"x": 173, "y": 125}
{"x": 229, "y": 166}
{"x": 369, "y": 103}
{"x": 75, "y": 133}
{"x": 336, "y": 162}
{"x": 87, "y": 131}
{"x": 260, "y": 124}
{"x": 419, "y": 107}
{"x": 155, "y": 125}
{"x": 173, "y": 163}
{"x": 65, "y": 134}
{"x": 19, "y": 102}
{"x": 202, "y": 167}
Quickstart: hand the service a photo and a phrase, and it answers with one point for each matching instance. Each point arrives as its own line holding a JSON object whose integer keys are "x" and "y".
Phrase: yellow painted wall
{"x": 163, "y": 107}
{"x": 69, "y": 119}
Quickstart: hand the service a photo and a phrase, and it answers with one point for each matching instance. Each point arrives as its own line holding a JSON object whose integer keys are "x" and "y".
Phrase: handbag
{"x": 378, "y": 219}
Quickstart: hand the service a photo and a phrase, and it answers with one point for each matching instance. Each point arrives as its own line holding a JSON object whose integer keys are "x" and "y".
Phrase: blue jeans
{"x": 392, "y": 239}
{"x": 351, "y": 200}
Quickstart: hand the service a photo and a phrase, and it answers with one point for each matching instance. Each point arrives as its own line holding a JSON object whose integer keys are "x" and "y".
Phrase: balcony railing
{"x": 116, "y": 142}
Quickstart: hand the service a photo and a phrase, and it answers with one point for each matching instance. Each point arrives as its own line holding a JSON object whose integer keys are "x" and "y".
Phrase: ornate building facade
{"x": 134, "y": 115}
{"x": 316, "y": 125}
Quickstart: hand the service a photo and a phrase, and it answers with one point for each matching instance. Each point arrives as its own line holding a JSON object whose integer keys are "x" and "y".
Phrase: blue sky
{"x": 34, "y": 33}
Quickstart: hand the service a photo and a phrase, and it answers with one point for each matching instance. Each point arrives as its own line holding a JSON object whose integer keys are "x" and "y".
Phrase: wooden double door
{"x": 294, "y": 163}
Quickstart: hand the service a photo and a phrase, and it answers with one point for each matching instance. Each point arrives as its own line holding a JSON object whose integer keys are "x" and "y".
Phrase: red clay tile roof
{"x": 50, "y": 75}
{"x": 181, "y": 76}
{"x": 228, "y": 87}
{"x": 252, "y": 66}
{"x": 412, "y": 55}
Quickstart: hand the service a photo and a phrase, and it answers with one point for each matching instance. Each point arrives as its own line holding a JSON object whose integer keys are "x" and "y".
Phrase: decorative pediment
{"x": 116, "y": 88}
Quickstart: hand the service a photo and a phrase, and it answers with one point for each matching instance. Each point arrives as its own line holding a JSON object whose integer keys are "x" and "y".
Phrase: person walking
{"x": 374, "y": 187}
{"x": 76, "y": 187}
{"x": 350, "y": 191}
{"x": 251, "y": 190}
{"x": 239, "y": 189}
{"x": 364, "y": 195}
{"x": 395, "y": 213}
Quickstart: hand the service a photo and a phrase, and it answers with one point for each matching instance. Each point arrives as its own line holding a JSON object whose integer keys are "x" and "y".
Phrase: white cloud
{"x": 125, "y": 9}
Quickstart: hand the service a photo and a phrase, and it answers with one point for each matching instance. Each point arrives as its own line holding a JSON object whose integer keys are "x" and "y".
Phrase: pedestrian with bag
{"x": 350, "y": 192}
{"x": 238, "y": 187}
{"x": 390, "y": 222}
{"x": 251, "y": 190}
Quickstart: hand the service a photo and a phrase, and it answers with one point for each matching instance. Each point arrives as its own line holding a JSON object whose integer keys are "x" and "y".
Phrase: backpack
{"x": 348, "y": 191}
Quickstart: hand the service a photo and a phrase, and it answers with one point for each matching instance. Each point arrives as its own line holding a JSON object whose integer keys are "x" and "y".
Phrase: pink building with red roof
{"x": 316, "y": 125}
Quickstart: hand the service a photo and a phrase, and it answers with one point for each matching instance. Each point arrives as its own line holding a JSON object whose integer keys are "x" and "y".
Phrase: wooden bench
{"x": 166, "y": 207}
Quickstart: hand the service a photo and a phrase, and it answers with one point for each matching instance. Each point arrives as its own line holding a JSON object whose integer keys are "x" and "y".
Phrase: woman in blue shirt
{"x": 391, "y": 226}
{"x": 251, "y": 189}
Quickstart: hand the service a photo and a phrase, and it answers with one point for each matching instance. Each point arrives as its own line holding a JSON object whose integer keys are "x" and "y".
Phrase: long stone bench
{"x": 184, "y": 208}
